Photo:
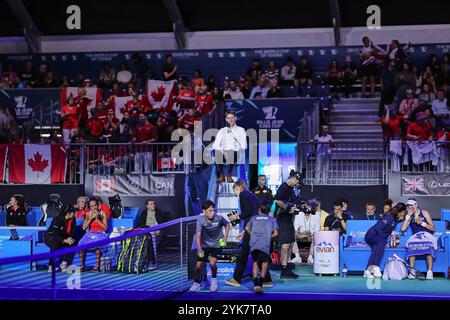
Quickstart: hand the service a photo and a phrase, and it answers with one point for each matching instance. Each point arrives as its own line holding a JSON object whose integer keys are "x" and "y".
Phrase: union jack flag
{"x": 413, "y": 185}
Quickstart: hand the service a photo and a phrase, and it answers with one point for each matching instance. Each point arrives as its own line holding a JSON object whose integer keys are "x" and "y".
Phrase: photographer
{"x": 284, "y": 212}
{"x": 96, "y": 224}
{"x": 305, "y": 224}
{"x": 249, "y": 205}
{"x": 61, "y": 234}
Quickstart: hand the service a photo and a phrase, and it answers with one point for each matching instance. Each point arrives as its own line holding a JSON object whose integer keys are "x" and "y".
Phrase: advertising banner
{"x": 428, "y": 184}
{"x": 326, "y": 252}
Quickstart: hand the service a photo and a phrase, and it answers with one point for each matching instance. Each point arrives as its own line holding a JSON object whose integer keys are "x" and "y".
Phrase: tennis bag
{"x": 395, "y": 269}
{"x": 133, "y": 257}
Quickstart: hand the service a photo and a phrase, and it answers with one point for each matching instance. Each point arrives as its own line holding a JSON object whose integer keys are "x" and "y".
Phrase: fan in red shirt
{"x": 111, "y": 126}
{"x": 391, "y": 123}
{"x": 419, "y": 130}
{"x": 145, "y": 132}
{"x": 204, "y": 101}
{"x": 188, "y": 119}
{"x": 95, "y": 127}
{"x": 186, "y": 96}
{"x": 83, "y": 102}
{"x": 135, "y": 107}
{"x": 69, "y": 119}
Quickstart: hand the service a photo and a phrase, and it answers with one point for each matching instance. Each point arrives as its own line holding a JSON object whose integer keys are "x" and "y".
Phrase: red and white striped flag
{"x": 93, "y": 93}
{"x": 3, "y": 152}
{"x": 37, "y": 164}
{"x": 160, "y": 94}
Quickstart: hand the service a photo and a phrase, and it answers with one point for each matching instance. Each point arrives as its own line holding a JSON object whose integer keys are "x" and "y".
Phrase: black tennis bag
{"x": 115, "y": 204}
{"x": 133, "y": 257}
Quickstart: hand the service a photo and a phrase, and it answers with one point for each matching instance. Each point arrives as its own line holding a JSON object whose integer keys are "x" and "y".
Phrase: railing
{"x": 169, "y": 253}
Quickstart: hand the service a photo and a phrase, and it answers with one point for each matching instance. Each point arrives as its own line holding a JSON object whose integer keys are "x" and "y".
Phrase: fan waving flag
{"x": 94, "y": 94}
{"x": 37, "y": 164}
{"x": 160, "y": 94}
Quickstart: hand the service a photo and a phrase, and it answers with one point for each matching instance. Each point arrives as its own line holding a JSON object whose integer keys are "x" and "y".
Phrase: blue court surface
{"x": 105, "y": 286}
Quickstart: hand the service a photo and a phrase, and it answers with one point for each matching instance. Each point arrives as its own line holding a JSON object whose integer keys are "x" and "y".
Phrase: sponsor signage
{"x": 429, "y": 184}
{"x": 326, "y": 252}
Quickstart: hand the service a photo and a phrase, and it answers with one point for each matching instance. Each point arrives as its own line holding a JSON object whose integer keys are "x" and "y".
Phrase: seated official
{"x": 370, "y": 213}
{"x": 95, "y": 223}
{"x": 16, "y": 211}
{"x": 338, "y": 220}
{"x": 305, "y": 224}
{"x": 151, "y": 216}
{"x": 60, "y": 235}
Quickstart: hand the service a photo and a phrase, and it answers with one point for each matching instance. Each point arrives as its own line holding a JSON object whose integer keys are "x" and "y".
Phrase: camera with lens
{"x": 236, "y": 221}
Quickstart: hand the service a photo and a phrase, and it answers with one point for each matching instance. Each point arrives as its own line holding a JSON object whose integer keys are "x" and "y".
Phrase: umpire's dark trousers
{"x": 243, "y": 259}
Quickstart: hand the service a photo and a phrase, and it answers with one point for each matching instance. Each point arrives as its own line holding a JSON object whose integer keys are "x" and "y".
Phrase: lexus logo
{"x": 434, "y": 184}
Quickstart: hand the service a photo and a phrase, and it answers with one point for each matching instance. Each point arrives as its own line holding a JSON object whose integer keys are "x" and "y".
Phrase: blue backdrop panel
{"x": 283, "y": 114}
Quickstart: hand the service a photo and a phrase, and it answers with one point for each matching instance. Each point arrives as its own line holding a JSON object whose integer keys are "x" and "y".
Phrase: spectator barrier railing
{"x": 343, "y": 163}
{"x": 124, "y": 266}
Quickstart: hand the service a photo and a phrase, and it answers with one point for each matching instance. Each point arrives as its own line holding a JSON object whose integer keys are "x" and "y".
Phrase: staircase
{"x": 358, "y": 154}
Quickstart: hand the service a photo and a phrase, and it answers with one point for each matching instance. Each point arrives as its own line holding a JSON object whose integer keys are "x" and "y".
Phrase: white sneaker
{"x": 310, "y": 259}
{"x": 195, "y": 287}
{"x": 412, "y": 274}
{"x": 429, "y": 275}
{"x": 377, "y": 272}
{"x": 214, "y": 286}
{"x": 296, "y": 260}
{"x": 368, "y": 274}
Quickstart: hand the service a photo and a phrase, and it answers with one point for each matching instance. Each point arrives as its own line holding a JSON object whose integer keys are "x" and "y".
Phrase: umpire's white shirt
{"x": 232, "y": 138}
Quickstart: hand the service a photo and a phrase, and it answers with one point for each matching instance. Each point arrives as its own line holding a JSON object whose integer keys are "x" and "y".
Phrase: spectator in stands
{"x": 409, "y": 104}
{"x": 274, "y": 90}
{"x": 188, "y": 119}
{"x": 204, "y": 103}
{"x": 69, "y": 120}
{"x": 197, "y": 81}
{"x": 338, "y": 220}
{"x": 304, "y": 72}
{"x": 95, "y": 224}
{"x": 55, "y": 137}
{"x": 395, "y": 52}
{"x": 392, "y": 122}
{"x": 368, "y": 67}
{"x": 107, "y": 76}
{"x": 111, "y": 128}
{"x": 419, "y": 80}
{"x": 404, "y": 80}
{"x": 387, "y": 206}
{"x": 246, "y": 87}
{"x": 441, "y": 110}
{"x": 65, "y": 81}
{"x": 149, "y": 217}
{"x": 349, "y": 74}
{"x": 254, "y": 72}
{"x": 83, "y": 101}
{"x": 141, "y": 71}
{"x": 186, "y": 95}
{"x": 79, "y": 82}
{"x": 40, "y": 76}
{"x": 16, "y": 211}
{"x": 5, "y": 83}
{"x": 422, "y": 227}
{"x": 443, "y": 76}
{"x": 217, "y": 95}
{"x": 333, "y": 77}
{"x": 288, "y": 72}
{"x": 419, "y": 130}
{"x": 305, "y": 224}
{"x": 271, "y": 71}
{"x": 124, "y": 76}
{"x": 234, "y": 91}
{"x": 60, "y": 235}
{"x": 27, "y": 75}
{"x": 433, "y": 64}
{"x": 94, "y": 127}
{"x": 11, "y": 74}
{"x": 170, "y": 69}
{"x": 167, "y": 124}
{"x": 429, "y": 78}
{"x": 144, "y": 132}
{"x": 387, "y": 79}
{"x": 261, "y": 88}
{"x": 426, "y": 94}
{"x": 81, "y": 207}
{"x": 324, "y": 142}
{"x": 211, "y": 83}
{"x": 50, "y": 81}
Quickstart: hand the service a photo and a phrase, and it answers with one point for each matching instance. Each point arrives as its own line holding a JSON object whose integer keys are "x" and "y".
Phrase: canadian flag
{"x": 105, "y": 184}
{"x": 165, "y": 163}
{"x": 119, "y": 104}
{"x": 93, "y": 93}
{"x": 37, "y": 164}
{"x": 3, "y": 152}
{"x": 160, "y": 94}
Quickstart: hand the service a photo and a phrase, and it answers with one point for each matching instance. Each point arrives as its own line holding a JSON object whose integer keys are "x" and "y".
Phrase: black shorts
{"x": 260, "y": 256}
{"x": 369, "y": 70}
{"x": 209, "y": 253}
{"x": 286, "y": 232}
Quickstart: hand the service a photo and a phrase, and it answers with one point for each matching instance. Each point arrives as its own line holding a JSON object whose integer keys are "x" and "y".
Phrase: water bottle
{"x": 344, "y": 271}
{"x": 33, "y": 266}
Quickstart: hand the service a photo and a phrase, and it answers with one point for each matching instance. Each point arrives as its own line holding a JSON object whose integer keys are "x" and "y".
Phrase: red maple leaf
{"x": 38, "y": 164}
{"x": 159, "y": 94}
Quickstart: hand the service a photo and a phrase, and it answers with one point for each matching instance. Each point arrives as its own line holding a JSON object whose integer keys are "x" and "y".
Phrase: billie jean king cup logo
{"x": 193, "y": 148}
{"x": 270, "y": 112}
